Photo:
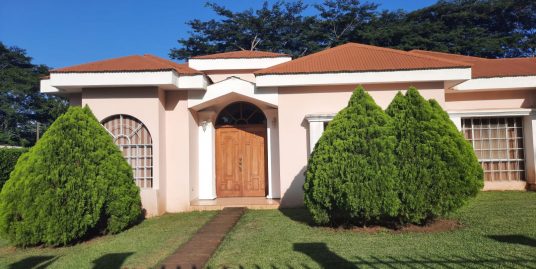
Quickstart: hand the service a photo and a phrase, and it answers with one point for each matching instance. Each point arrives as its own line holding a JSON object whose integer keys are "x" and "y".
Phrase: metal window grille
{"x": 499, "y": 146}
{"x": 134, "y": 141}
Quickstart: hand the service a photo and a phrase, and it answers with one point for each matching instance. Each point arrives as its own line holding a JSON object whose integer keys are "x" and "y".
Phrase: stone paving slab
{"x": 195, "y": 253}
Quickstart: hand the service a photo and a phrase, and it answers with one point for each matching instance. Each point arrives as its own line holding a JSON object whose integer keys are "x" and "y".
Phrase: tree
{"x": 73, "y": 183}
{"x": 279, "y": 27}
{"x": 351, "y": 174}
{"x": 485, "y": 28}
{"x": 437, "y": 168}
{"x": 22, "y": 106}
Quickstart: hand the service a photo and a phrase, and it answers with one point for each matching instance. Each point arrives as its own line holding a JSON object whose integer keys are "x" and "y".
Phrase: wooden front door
{"x": 240, "y": 161}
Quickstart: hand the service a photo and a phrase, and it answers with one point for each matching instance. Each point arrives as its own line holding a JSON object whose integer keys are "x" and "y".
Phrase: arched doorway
{"x": 241, "y": 151}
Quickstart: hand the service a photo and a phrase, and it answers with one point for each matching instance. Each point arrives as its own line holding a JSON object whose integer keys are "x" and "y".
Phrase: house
{"x": 242, "y": 123}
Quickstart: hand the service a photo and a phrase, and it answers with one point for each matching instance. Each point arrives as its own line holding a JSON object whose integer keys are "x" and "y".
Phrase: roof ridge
{"x": 402, "y": 52}
{"x": 96, "y": 62}
{"x": 424, "y": 52}
{"x": 273, "y": 54}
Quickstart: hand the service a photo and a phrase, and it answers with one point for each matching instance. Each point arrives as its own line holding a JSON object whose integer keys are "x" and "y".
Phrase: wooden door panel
{"x": 253, "y": 173}
{"x": 241, "y": 161}
{"x": 228, "y": 180}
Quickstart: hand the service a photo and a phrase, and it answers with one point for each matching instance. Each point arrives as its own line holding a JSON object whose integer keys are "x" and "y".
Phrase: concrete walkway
{"x": 195, "y": 253}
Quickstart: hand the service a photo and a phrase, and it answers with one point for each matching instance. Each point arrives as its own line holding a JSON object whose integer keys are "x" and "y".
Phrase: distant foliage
{"x": 8, "y": 159}
{"x": 437, "y": 168}
{"x": 484, "y": 28}
{"x": 74, "y": 182}
{"x": 351, "y": 176}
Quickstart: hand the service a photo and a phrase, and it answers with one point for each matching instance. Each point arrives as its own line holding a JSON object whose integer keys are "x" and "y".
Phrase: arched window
{"x": 134, "y": 140}
{"x": 241, "y": 113}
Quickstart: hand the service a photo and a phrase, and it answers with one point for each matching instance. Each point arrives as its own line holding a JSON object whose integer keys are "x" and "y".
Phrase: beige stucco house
{"x": 242, "y": 124}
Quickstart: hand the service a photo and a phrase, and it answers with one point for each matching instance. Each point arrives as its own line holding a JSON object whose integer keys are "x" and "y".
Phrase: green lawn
{"x": 142, "y": 246}
{"x": 499, "y": 231}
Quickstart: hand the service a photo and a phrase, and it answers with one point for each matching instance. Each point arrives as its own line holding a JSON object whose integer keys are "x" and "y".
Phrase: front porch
{"x": 220, "y": 203}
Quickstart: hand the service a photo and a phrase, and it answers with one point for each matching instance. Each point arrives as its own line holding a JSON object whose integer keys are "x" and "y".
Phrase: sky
{"x": 61, "y": 33}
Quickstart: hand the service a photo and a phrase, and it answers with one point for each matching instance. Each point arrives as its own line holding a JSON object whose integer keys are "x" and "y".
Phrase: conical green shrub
{"x": 437, "y": 168}
{"x": 73, "y": 182}
{"x": 351, "y": 172}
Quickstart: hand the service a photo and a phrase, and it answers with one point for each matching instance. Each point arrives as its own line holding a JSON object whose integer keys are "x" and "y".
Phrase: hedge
{"x": 8, "y": 159}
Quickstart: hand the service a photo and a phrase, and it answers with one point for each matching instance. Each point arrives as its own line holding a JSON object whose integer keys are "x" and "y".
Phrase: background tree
{"x": 351, "y": 174}
{"x": 280, "y": 27}
{"x": 486, "y": 28}
{"x": 22, "y": 106}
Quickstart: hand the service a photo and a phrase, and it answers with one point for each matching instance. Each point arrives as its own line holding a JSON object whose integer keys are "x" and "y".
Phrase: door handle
{"x": 240, "y": 164}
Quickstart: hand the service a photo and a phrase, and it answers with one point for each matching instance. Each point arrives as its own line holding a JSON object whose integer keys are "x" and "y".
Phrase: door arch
{"x": 241, "y": 162}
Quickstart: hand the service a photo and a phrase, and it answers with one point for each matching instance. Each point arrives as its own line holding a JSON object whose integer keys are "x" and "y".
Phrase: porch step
{"x": 246, "y": 202}
{"x": 197, "y": 251}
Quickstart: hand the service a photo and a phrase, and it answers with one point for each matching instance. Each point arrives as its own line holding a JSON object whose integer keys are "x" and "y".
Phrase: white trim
{"x": 491, "y": 113}
{"x": 236, "y": 64}
{"x": 74, "y": 82}
{"x": 277, "y": 80}
{"x": 497, "y": 83}
{"x": 234, "y": 85}
{"x": 316, "y": 127}
{"x": 320, "y": 117}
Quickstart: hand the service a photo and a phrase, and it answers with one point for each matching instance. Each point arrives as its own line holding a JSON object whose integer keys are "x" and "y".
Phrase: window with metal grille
{"x": 134, "y": 141}
{"x": 499, "y": 146}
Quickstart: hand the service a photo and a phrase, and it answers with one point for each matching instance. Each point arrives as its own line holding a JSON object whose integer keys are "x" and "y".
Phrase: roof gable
{"x": 133, "y": 63}
{"x": 353, "y": 57}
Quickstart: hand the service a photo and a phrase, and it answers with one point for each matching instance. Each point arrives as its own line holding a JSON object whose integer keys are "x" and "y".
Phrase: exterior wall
{"x": 293, "y": 127}
{"x": 504, "y": 99}
{"x": 142, "y": 103}
{"x": 75, "y": 99}
{"x": 178, "y": 143}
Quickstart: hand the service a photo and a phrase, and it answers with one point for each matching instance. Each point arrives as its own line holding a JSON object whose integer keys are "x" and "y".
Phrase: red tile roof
{"x": 133, "y": 63}
{"x": 242, "y": 54}
{"x": 353, "y": 57}
{"x": 487, "y": 68}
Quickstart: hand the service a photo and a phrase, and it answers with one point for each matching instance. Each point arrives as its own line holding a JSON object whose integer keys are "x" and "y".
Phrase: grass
{"x": 142, "y": 246}
{"x": 499, "y": 231}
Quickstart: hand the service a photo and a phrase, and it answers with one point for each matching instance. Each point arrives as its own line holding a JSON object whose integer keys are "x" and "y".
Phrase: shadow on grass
{"x": 515, "y": 239}
{"x": 34, "y": 262}
{"x": 300, "y": 215}
{"x": 111, "y": 260}
{"x": 324, "y": 258}
{"x": 321, "y": 254}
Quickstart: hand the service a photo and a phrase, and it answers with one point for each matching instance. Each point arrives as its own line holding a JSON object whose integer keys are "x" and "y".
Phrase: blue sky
{"x": 66, "y": 32}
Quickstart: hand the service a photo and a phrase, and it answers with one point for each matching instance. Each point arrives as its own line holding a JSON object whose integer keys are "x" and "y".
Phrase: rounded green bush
{"x": 437, "y": 168}
{"x": 351, "y": 176}
{"x": 72, "y": 183}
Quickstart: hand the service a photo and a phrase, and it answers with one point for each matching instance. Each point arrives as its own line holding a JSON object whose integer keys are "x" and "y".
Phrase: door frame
{"x": 264, "y": 128}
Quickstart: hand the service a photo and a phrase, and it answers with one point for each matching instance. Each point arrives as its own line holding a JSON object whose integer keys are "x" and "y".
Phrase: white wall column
{"x": 529, "y": 129}
{"x": 272, "y": 137}
{"x": 207, "y": 155}
{"x": 457, "y": 120}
